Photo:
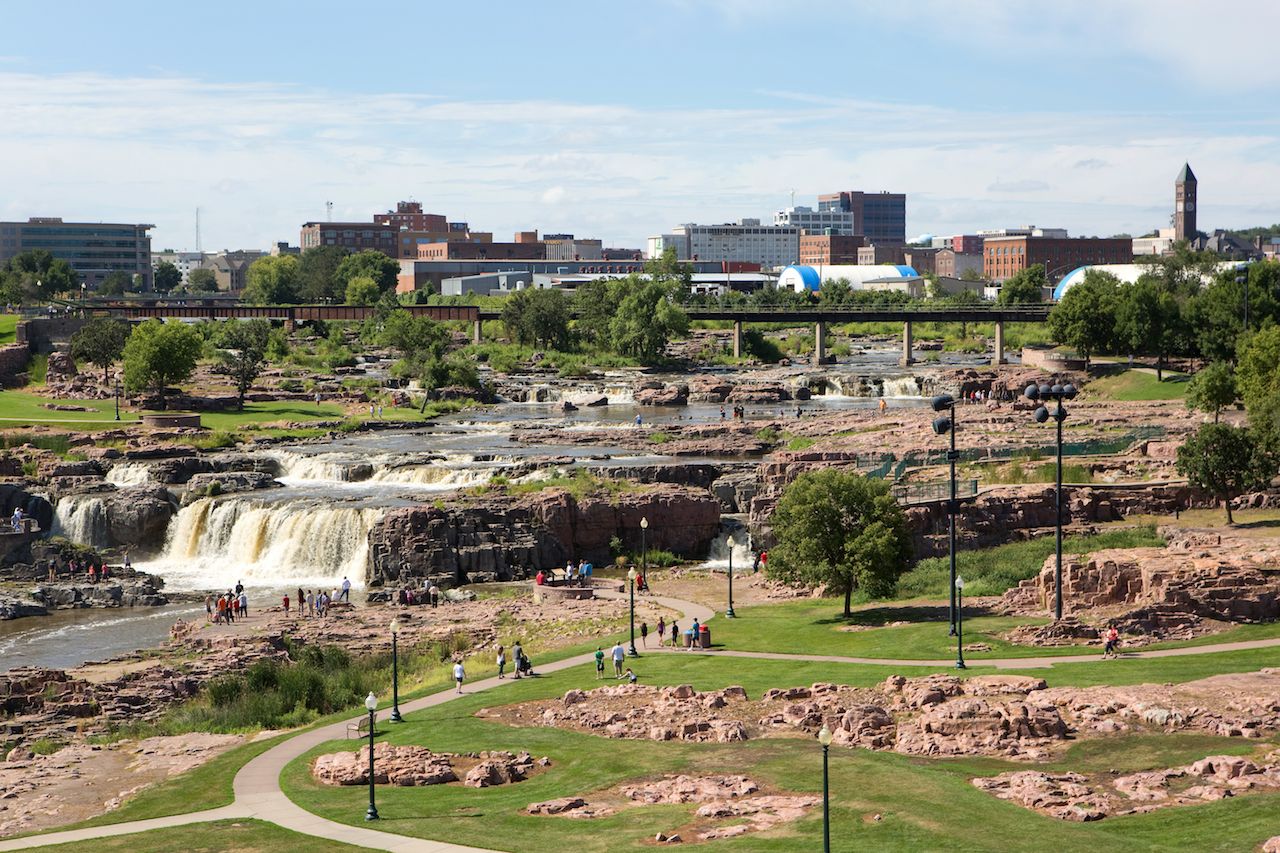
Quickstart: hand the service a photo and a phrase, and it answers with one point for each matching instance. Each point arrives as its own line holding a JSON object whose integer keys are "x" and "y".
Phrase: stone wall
{"x": 13, "y": 364}
{"x": 45, "y": 334}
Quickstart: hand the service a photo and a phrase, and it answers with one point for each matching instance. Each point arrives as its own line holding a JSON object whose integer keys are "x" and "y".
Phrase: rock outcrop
{"x": 411, "y": 766}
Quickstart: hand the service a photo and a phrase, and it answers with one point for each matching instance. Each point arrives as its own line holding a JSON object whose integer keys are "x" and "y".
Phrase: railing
{"x": 925, "y": 493}
{"x": 26, "y": 527}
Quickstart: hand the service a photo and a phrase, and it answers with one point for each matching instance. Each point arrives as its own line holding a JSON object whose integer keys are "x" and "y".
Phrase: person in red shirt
{"x": 541, "y": 578}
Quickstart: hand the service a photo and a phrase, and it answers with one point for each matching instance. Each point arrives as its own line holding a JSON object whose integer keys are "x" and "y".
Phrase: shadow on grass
{"x": 878, "y": 617}
{"x": 1261, "y": 524}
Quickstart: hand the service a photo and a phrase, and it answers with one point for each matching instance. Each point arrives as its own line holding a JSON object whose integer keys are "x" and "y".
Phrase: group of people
{"x": 523, "y": 667}
{"x": 312, "y": 603}
{"x": 92, "y": 567}
{"x": 573, "y": 573}
{"x": 228, "y": 607}
{"x": 619, "y": 656}
{"x": 429, "y": 593}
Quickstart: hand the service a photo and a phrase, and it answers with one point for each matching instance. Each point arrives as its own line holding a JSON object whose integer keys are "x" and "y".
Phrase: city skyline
{"x": 542, "y": 122}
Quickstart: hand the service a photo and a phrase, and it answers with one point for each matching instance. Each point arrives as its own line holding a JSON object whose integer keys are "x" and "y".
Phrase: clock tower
{"x": 1184, "y": 211}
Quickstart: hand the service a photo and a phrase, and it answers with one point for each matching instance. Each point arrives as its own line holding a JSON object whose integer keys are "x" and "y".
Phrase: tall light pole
{"x": 371, "y": 703}
{"x": 729, "y": 614}
{"x": 117, "y": 395}
{"x": 943, "y": 425}
{"x": 644, "y": 551}
{"x": 631, "y": 577}
{"x": 395, "y": 673}
{"x": 1044, "y": 394}
{"x": 959, "y": 585}
{"x": 824, "y": 738}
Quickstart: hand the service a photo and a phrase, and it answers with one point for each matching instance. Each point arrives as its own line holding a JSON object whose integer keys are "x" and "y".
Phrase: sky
{"x": 622, "y": 120}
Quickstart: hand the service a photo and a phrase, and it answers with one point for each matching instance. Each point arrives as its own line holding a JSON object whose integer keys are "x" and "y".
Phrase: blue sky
{"x": 620, "y": 120}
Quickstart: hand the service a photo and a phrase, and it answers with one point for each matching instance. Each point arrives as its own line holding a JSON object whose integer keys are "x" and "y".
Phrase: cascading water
{"x": 83, "y": 520}
{"x": 438, "y": 477}
{"x": 216, "y": 542}
{"x": 125, "y": 474}
{"x": 901, "y": 386}
{"x": 300, "y": 467}
{"x": 718, "y": 554}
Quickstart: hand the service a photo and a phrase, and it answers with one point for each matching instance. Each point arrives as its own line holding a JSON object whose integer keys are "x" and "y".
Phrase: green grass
{"x": 924, "y": 804}
{"x": 22, "y": 408}
{"x": 242, "y": 835}
{"x": 1130, "y": 385}
{"x": 8, "y": 328}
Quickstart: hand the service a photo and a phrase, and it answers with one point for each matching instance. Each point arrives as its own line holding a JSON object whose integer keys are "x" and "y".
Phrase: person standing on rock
{"x": 502, "y": 662}
{"x": 208, "y": 608}
{"x": 244, "y": 604}
{"x": 128, "y": 565}
{"x": 644, "y": 634}
{"x": 302, "y": 603}
{"x": 286, "y": 604}
{"x": 599, "y": 662}
{"x": 459, "y": 674}
{"x": 346, "y": 590}
{"x": 618, "y": 656}
{"x": 435, "y": 595}
{"x": 239, "y": 587}
{"x": 311, "y": 603}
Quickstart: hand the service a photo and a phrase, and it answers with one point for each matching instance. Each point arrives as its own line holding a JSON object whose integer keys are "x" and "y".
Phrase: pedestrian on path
{"x": 695, "y": 629}
{"x": 599, "y": 662}
{"x": 675, "y": 633}
{"x": 517, "y": 655}
{"x": 502, "y": 662}
{"x": 459, "y": 674}
{"x": 1112, "y": 642}
{"x": 618, "y": 655}
{"x": 662, "y": 628}
{"x": 644, "y": 634}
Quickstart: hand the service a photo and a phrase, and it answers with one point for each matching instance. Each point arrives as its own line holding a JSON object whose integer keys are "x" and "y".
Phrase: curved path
{"x": 257, "y": 785}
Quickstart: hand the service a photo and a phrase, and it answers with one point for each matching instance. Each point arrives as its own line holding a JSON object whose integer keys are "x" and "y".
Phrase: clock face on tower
{"x": 1191, "y": 205}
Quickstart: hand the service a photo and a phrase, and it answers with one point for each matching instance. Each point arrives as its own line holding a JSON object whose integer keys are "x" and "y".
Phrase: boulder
{"x": 139, "y": 515}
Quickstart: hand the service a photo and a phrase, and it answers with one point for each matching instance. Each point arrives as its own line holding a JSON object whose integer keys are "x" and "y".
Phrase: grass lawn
{"x": 242, "y": 836}
{"x": 924, "y": 804}
{"x": 1137, "y": 385}
{"x": 8, "y": 328}
{"x": 22, "y": 408}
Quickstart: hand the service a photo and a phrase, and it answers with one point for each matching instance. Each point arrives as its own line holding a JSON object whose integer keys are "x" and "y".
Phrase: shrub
{"x": 213, "y": 489}
{"x": 659, "y": 437}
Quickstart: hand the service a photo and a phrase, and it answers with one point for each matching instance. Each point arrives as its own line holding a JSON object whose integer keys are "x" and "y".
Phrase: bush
{"x": 663, "y": 559}
{"x": 213, "y": 489}
{"x": 768, "y": 434}
{"x": 660, "y": 437}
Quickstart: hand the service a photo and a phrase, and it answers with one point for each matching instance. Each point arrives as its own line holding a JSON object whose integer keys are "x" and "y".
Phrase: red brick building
{"x": 881, "y": 255}
{"x": 921, "y": 259}
{"x": 356, "y": 236}
{"x": 456, "y": 250}
{"x": 408, "y": 216}
{"x": 1006, "y": 256}
{"x": 966, "y": 244}
{"x": 829, "y": 248}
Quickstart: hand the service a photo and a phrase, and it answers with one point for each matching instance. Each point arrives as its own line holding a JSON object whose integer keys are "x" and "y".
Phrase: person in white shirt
{"x": 459, "y": 674}
{"x": 346, "y": 590}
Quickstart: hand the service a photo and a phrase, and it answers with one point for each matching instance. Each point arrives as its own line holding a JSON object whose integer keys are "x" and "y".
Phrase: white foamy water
{"x": 718, "y": 554}
{"x": 125, "y": 474}
{"x": 82, "y": 519}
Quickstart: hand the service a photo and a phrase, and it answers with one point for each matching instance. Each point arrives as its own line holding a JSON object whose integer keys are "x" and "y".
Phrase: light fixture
{"x": 371, "y": 702}
{"x": 824, "y": 736}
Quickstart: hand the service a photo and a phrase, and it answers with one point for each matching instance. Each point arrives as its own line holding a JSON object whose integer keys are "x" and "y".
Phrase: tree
{"x": 37, "y": 274}
{"x": 1085, "y": 317}
{"x": 202, "y": 280}
{"x": 100, "y": 342}
{"x": 1225, "y": 461}
{"x": 244, "y": 350}
{"x": 115, "y": 284}
{"x": 1212, "y": 389}
{"x": 669, "y": 268}
{"x": 371, "y": 263}
{"x": 841, "y": 530}
{"x": 167, "y": 277}
{"x": 416, "y": 338}
{"x": 1148, "y": 320}
{"x": 318, "y": 274}
{"x": 648, "y": 316}
{"x": 362, "y": 290}
{"x": 159, "y": 354}
{"x": 538, "y": 317}
{"x": 272, "y": 280}
{"x": 596, "y": 302}
{"x": 1024, "y": 287}
{"x": 835, "y": 292}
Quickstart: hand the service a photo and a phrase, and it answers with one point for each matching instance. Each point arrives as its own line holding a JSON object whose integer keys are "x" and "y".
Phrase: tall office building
{"x": 880, "y": 217}
{"x": 93, "y": 249}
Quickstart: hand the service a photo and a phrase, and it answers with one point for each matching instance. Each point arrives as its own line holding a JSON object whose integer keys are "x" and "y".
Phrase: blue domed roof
{"x": 906, "y": 271}
{"x": 808, "y": 276}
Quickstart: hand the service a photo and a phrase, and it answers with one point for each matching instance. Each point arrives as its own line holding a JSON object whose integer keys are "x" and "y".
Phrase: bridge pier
{"x": 737, "y": 339}
{"x": 476, "y": 327}
{"x": 998, "y": 358}
{"x": 907, "y": 359}
{"x": 819, "y": 343}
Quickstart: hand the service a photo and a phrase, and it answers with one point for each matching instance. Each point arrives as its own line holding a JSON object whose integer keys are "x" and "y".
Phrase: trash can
{"x": 704, "y": 637}
{"x": 688, "y": 638}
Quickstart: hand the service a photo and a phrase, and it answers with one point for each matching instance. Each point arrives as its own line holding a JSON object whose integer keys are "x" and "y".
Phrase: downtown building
{"x": 746, "y": 241}
{"x": 879, "y": 217}
{"x": 94, "y": 250}
{"x": 1004, "y": 257}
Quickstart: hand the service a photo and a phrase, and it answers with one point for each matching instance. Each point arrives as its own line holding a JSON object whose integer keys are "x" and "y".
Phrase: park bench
{"x": 360, "y": 727}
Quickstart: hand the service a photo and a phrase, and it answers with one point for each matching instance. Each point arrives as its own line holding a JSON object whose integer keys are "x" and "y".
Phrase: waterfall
{"x": 901, "y": 386}
{"x": 718, "y": 554}
{"x": 215, "y": 542}
{"x": 440, "y": 478}
{"x": 125, "y": 474}
{"x": 83, "y": 520}
{"x": 320, "y": 466}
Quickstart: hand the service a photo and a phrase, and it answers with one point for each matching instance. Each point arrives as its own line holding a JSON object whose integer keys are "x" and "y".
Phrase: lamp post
{"x": 960, "y": 623}
{"x": 729, "y": 614}
{"x": 1044, "y": 393}
{"x": 631, "y": 577}
{"x": 395, "y": 673}
{"x": 943, "y": 425}
{"x": 117, "y": 395}
{"x": 824, "y": 738}
{"x": 371, "y": 702}
{"x": 644, "y": 551}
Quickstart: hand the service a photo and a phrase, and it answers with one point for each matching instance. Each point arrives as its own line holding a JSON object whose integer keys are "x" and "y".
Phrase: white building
{"x": 836, "y": 222}
{"x": 1161, "y": 244}
{"x": 1127, "y": 274}
{"x": 184, "y": 261}
{"x": 860, "y": 277}
{"x": 1025, "y": 231}
{"x": 746, "y": 241}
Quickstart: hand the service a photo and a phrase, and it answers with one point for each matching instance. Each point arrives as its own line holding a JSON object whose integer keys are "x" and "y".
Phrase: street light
{"x": 960, "y": 623}
{"x": 1044, "y": 393}
{"x": 631, "y": 577}
{"x": 729, "y": 614}
{"x": 371, "y": 702}
{"x": 943, "y": 425}
{"x": 395, "y": 673}
{"x": 117, "y": 395}
{"x": 644, "y": 551}
{"x": 824, "y": 738}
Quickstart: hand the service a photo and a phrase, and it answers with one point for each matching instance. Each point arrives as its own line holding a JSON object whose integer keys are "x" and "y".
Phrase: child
{"x": 599, "y": 662}
{"x": 631, "y": 676}
{"x": 459, "y": 674}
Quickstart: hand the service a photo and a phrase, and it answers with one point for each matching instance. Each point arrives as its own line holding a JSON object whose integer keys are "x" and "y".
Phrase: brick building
{"x": 453, "y": 250}
{"x": 1006, "y": 256}
{"x": 408, "y": 216}
{"x": 880, "y": 254}
{"x": 356, "y": 236}
{"x": 966, "y": 244}
{"x": 921, "y": 259}
{"x": 952, "y": 264}
{"x": 829, "y": 249}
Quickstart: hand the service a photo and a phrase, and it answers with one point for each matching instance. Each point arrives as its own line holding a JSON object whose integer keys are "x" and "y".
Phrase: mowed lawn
{"x": 241, "y": 836}
{"x": 922, "y": 804}
{"x": 1137, "y": 385}
{"x": 22, "y": 408}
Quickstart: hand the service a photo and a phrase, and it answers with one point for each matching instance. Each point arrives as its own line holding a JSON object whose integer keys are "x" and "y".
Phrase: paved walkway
{"x": 257, "y": 785}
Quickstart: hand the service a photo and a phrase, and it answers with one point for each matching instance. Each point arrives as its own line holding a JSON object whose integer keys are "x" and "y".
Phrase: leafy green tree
{"x": 318, "y": 274}
{"x": 37, "y": 274}
{"x": 841, "y": 530}
{"x": 1085, "y": 317}
{"x": 202, "y": 280}
{"x": 1024, "y": 287}
{"x": 648, "y": 316}
{"x": 538, "y": 317}
{"x": 371, "y": 263}
{"x": 160, "y": 354}
{"x": 243, "y": 352}
{"x": 1225, "y": 461}
{"x": 415, "y": 338}
{"x": 669, "y": 268}
{"x": 272, "y": 280}
{"x": 1148, "y": 320}
{"x": 362, "y": 290}
{"x": 596, "y": 302}
{"x": 100, "y": 342}
{"x": 1212, "y": 389}
{"x": 167, "y": 277}
{"x": 117, "y": 283}
{"x": 835, "y": 292}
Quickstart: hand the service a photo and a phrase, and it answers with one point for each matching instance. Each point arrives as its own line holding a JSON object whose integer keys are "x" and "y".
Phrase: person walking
{"x": 618, "y": 656}
{"x": 662, "y": 628}
{"x": 599, "y": 662}
{"x": 244, "y": 604}
{"x": 517, "y": 655}
{"x": 675, "y": 634}
{"x": 502, "y": 662}
{"x": 644, "y": 634}
{"x": 696, "y": 627}
{"x": 302, "y": 602}
{"x": 1112, "y": 642}
{"x": 459, "y": 674}
{"x": 345, "y": 595}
